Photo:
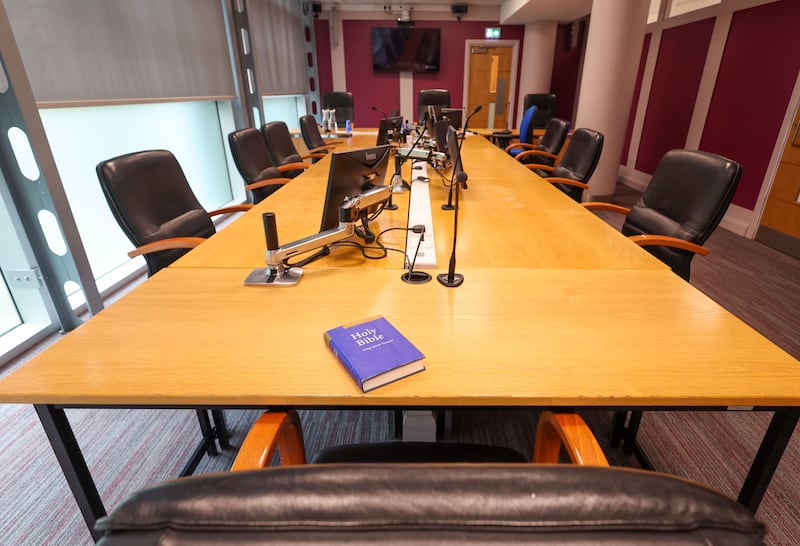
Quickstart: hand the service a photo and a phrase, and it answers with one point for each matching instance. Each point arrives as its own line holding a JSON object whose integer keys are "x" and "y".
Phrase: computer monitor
{"x": 388, "y": 129}
{"x": 454, "y": 115}
{"x": 440, "y": 130}
{"x": 455, "y": 155}
{"x": 351, "y": 173}
{"x": 433, "y": 113}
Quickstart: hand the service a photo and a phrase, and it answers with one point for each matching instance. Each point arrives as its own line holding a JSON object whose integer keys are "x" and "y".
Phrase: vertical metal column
{"x": 313, "y": 103}
{"x": 40, "y": 189}
{"x": 254, "y": 111}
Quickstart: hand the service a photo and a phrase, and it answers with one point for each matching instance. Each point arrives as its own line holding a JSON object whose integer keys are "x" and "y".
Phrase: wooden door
{"x": 780, "y": 223}
{"x": 489, "y": 83}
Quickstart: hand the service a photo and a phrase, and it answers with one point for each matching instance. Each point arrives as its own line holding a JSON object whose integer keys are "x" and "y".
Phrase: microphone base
{"x": 393, "y": 206}
{"x": 415, "y": 277}
{"x": 448, "y": 207}
{"x": 444, "y": 278}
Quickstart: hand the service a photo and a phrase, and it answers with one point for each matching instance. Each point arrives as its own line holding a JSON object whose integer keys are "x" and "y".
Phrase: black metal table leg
{"x": 769, "y": 455}
{"x": 65, "y": 446}
{"x": 221, "y": 429}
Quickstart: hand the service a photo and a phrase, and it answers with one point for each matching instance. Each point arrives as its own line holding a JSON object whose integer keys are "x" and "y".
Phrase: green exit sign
{"x": 492, "y": 33}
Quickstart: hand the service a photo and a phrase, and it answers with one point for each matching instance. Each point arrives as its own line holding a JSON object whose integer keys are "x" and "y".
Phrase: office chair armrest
{"x": 666, "y": 240}
{"x": 531, "y": 153}
{"x": 333, "y": 142}
{"x": 571, "y": 431}
{"x": 227, "y": 210}
{"x": 272, "y": 430}
{"x": 321, "y": 148}
{"x": 166, "y": 244}
{"x": 611, "y": 207}
{"x": 540, "y": 166}
{"x": 293, "y": 167}
{"x": 267, "y": 182}
{"x": 567, "y": 181}
{"x": 313, "y": 156}
{"x": 520, "y": 145}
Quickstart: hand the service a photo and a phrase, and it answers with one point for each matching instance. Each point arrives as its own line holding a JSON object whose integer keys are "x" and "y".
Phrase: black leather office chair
{"x": 252, "y": 159}
{"x": 432, "y": 97}
{"x": 154, "y": 205}
{"x": 571, "y": 175}
{"x": 281, "y": 148}
{"x": 430, "y": 503}
{"x": 545, "y": 104}
{"x": 682, "y": 205}
{"x": 546, "y": 151}
{"x": 342, "y": 102}
{"x": 312, "y": 137}
{"x": 156, "y": 208}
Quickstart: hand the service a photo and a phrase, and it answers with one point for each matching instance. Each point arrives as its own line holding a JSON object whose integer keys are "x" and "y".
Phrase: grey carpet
{"x": 128, "y": 449}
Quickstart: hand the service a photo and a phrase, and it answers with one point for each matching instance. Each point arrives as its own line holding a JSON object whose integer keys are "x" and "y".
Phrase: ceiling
{"x": 511, "y": 12}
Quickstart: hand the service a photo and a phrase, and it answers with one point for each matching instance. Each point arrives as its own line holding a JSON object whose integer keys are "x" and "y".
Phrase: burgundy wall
{"x": 566, "y": 69}
{"x": 754, "y": 85}
{"x": 681, "y": 59}
{"x": 636, "y": 92}
{"x": 322, "y": 41}
{"x": 383, "y": 90}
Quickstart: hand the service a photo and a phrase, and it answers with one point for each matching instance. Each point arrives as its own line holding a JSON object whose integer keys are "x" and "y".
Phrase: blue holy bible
{"x": 374, "y": 352}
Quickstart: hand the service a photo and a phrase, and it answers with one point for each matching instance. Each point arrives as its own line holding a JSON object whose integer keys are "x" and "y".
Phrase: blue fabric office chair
{"x": 525, "y": 134}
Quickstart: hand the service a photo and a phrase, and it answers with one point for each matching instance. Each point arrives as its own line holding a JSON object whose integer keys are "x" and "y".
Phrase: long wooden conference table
{"x": 557, "y": 310}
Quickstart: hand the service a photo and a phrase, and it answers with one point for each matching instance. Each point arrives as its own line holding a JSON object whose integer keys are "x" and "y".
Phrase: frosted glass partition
{"x": 82, "y": 137}
{"x": 286, "y": 108}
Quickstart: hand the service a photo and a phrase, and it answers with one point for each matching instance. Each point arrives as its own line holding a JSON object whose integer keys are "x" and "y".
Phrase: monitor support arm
{"x": 349, "y": 213}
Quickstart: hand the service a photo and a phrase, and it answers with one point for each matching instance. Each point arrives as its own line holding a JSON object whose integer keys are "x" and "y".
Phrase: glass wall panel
{"x": 9, "y": 317}
{"x": 82, "y": 137}
{"x": 287, "y": 108}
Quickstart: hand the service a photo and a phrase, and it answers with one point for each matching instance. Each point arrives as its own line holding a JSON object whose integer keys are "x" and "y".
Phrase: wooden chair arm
{"x": 571, "y": 431}
{"x": 313, "y": 156}
{"x": 267, "y": 182}
{"x": 567, "y": 181}
{"x": 531, "y": 153}
{"x": 293, "y": 167}
{"x": 540, "y": 166}
{"x": 666, "y": 240}
{"x": 272, "y": 430}
{"x": 233, "y": 208}
{"x": 321, "y": 148}
{"x": 611, "y": 207}
{"x": 166, "y": 244}
{"x": 520, "y": 145}
{"x": 333, "y": 142}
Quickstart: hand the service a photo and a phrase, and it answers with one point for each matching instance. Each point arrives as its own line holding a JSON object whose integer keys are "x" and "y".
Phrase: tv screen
{"x": 396, "y": 49}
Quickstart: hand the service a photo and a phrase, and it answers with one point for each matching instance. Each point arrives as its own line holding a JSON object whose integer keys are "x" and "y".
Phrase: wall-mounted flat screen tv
{"x": 396, "y": 49}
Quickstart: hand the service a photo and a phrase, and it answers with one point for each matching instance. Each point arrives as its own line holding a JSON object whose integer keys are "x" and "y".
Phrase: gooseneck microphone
{"x": 411, "y": 276}
{"x": 379, "y": 109}
{"x": 452, "y": 279}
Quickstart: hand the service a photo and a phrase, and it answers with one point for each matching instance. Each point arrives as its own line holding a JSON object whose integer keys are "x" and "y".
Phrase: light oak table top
{"x": 509, "y": 217}
{"x": 506, "y": 337}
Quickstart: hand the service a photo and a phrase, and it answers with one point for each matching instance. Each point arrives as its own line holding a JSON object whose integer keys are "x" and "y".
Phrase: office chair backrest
{"x": 281, "y": 148}
{"x": 433, "y": 97}
{"x": 431, "y": 504}
{"x": 686, "y": 198}
{"x": 579, "y": 160}
{"x": 252, "y": 159}
{"x": 310, "y": 131}
{"x": 151, "y": 200}
{"x": 545, "y": 104}
{"x": 555, "y": 134}
{"x": 526, "y": 127}
{"x": 342, "y": 101}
